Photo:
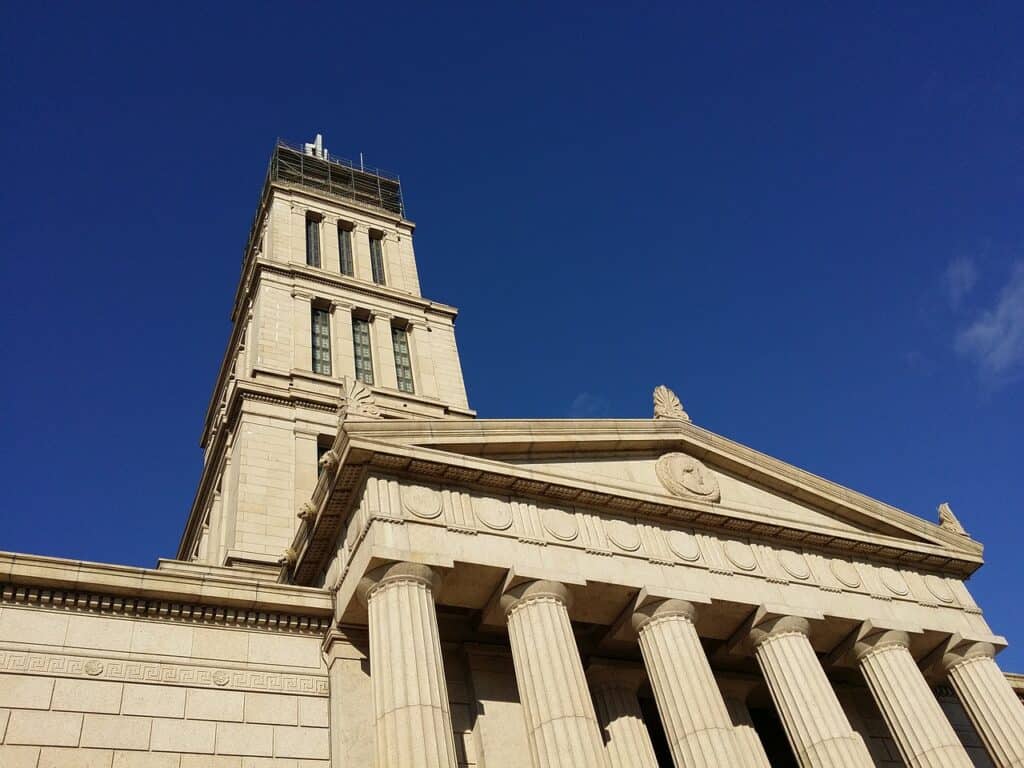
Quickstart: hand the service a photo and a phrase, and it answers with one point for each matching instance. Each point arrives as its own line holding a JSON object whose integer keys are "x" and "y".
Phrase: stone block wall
{"x": 79, "y": 689}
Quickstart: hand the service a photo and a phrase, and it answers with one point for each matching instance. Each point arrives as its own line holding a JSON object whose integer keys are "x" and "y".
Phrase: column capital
{"x": 879, "y": 641}
{"x": 965, "y": 652}
{"x": 397, "y": 572}
{"x": 663, "y": 609}
{"x": 537, "y": 589}
{"x": 777, "y": 626}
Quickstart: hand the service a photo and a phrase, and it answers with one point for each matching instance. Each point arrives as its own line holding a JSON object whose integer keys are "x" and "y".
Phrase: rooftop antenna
{"x": 316, "y": 149}
{"x": 361, "y": 168}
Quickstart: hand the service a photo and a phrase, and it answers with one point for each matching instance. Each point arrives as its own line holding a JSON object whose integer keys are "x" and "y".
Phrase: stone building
{"x": 371, "y": 576}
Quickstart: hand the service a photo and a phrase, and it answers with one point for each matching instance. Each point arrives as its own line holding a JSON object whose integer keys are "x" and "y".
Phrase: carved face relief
{"x": 684, "y": 476}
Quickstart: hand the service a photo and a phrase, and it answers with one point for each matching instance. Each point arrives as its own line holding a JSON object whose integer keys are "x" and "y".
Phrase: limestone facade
{"x": 370, "y": 576}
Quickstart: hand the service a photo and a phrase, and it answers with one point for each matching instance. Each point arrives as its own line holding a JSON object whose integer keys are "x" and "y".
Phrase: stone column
{"x": 560, "y": 720}
{"x": 818, "y": 731}
{"x": 410, "y": 697}
{"x": 915, "y": 719}
{"x": 697, "y": 724}
{"x": 735, "y": 692}
{"x": 990, "y": 702}
{"x": 626, "y": 739}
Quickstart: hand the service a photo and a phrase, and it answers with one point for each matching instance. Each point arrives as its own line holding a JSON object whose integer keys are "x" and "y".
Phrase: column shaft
{"x": 625, "y": 734}
{"x": 815, "y": 723}
{"x": 697, "y": 724}
{"x": 410, "y": 697}
{"x": 990, "y": 702}
{"x": 916, "y": 721}
{"x": 560, "y": 719}
{"x": 748, "y": 741}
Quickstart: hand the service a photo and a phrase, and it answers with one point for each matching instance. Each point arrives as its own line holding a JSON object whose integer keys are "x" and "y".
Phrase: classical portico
{"x": 614, "y": 562}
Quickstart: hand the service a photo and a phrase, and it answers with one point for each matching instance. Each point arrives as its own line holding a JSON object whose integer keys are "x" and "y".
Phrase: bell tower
{"x": 328, "y": 301}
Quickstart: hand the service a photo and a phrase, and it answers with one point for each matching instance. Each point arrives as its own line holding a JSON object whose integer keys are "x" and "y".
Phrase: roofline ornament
{"x": 948, "y": 520}
{"x": 667, "y": 405}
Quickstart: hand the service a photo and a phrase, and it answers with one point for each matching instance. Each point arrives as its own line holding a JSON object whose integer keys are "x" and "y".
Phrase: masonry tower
{"x": 329, "y": 297}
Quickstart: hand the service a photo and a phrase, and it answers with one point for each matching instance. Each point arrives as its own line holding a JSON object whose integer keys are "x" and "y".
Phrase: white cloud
{"x": 959, "y": 279}
{"x": 995, "y": 340}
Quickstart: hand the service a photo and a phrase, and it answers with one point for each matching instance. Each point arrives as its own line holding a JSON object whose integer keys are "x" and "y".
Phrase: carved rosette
{"x": 684, "y": 476}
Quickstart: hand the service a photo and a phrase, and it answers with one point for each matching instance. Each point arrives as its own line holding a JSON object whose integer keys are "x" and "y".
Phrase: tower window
{"x": 313, "y": 241}
{"x": 345, "y": 249}
{"x": 403, "y": 365}
{"x": 363, "y": 353}
{"x": 321, "y": 325}
{"x": 377, "y": 257}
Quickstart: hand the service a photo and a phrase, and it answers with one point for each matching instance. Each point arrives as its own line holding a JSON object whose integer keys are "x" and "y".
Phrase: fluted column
{"x": 626, "y": 738}
{"x": 818, "y": 731}
{"x": 916, "y": 721}
{"x": 410, "y": 697}
{"x": 697, "y": 724}
{"x": 990, "y": 702}
{"x": 735, "y": 692}
{"x": 560, "y": 720}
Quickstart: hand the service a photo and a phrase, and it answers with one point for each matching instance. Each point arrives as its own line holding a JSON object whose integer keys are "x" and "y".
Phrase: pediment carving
{"x": 682, "y": 475}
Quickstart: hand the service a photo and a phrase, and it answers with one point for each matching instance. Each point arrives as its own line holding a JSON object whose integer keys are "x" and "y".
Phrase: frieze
{"x": 93, "y": 602}
{"x": 134, "y": 671}
{"x": 671, "y": 544}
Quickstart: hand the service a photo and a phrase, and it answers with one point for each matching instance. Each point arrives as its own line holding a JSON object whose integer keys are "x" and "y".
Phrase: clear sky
{"x": 807, "y": 222}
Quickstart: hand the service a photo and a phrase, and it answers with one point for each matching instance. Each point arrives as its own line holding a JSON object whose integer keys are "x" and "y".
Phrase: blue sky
{"x": 807, "y": 222}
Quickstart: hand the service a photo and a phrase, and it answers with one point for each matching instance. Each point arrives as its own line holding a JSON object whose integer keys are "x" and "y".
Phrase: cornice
{"x": 211, "y": 596}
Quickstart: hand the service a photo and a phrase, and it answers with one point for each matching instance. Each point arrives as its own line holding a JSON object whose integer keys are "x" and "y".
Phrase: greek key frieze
{"x": 131, "y": 671}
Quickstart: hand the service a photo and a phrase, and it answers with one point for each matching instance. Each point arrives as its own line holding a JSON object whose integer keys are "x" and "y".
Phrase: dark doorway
{"x": 773, "y": 737}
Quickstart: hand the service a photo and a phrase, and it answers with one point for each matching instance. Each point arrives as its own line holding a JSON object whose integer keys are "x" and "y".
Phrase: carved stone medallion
{"x": 684, "y": 545}
{"x": 623, "y": 534}
{"x": 894, "y": 581}
{"x": 794, "y": 564}
{"x": 684, "y": 476}
{"x": 741, "y": 555}
{"x": 939, "y": 588}
{"x": 845, "y": 572}
{"x": 422, "y": 501}
{"x": 494, "y": 513}
{"x": 560, "y": 524}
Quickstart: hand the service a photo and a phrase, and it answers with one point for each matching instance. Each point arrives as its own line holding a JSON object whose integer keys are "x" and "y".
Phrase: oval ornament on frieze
{"x": 794, "y": 564}
{"x": 560, "y": 524}
{"x": 684, "y": 476}
{"x": 939, "y": 588}
{"x": 894, "y": 581}
{"x": 422, "y": 501}
{"x": 741, "y": 555}
{"x": 846, "y": 573}
{"x": 494, "y": 513}
{"x": 684, "y": 545}
{"x": 623, "y": 534}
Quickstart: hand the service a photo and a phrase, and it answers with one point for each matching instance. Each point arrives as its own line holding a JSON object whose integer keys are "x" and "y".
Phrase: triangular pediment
{"x": 622, "y": 456}
{"x": 669, "y": 470}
